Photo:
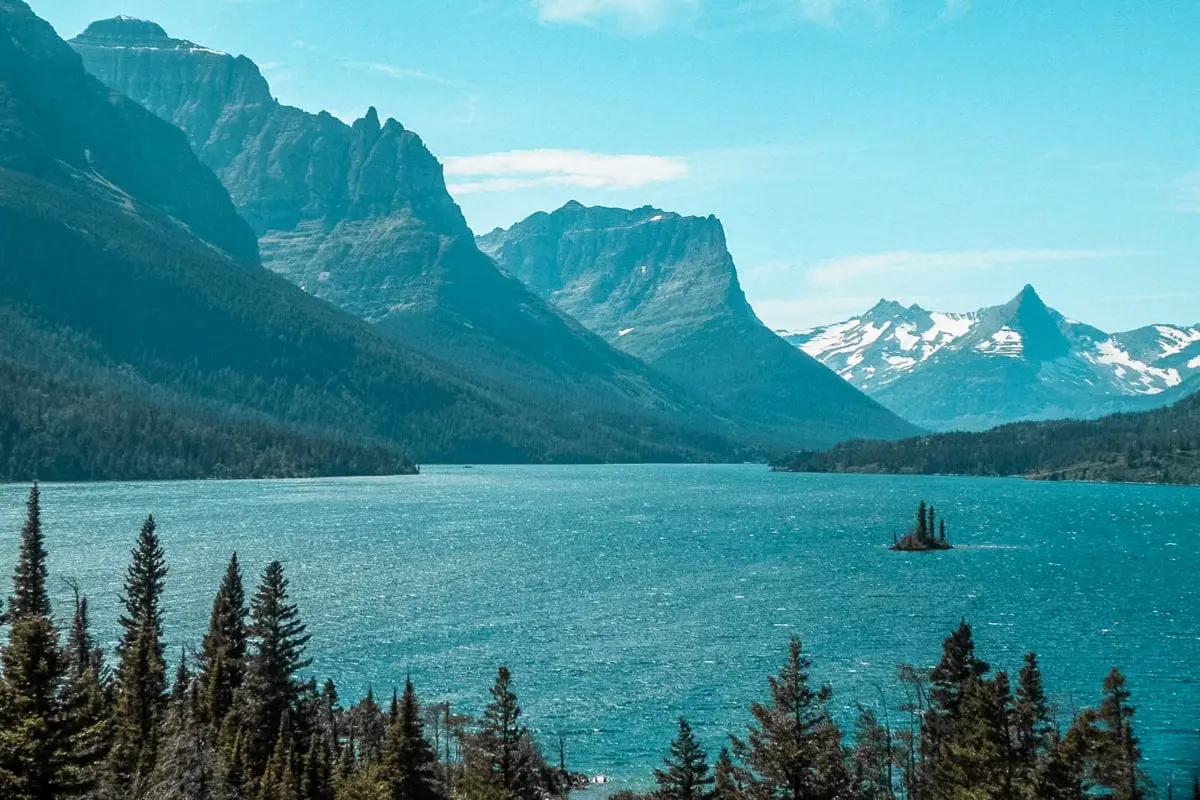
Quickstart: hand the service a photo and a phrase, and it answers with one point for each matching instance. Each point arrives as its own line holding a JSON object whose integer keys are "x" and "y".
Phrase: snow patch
{"x": 1146, "y": 379}
{"x": 625, "y": 332}
{"x": 905, "y": 337}
{"x": 1175, "y": 340}
{"x": 1194, "y": 363}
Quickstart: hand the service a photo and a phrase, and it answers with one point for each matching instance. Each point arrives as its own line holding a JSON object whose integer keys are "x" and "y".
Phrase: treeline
{"x": 1161, "y": 446}
{"x": 239, "y": 722}
{"x": 57, "y": 430}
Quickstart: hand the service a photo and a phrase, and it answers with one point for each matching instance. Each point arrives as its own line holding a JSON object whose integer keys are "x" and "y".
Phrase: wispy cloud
{"x": 640, "y": 16}
{"x": 401, "y": 73}
{"x": 840, "y": 272}
{"x": 527, "y": 169}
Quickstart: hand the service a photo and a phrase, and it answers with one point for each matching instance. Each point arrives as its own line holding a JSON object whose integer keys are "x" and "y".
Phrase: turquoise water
{"x": 623, "y": 597}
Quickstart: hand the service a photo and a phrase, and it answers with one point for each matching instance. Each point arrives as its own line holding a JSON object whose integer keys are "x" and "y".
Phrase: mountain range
{"x": 359, "y": 215}
{"x": 663, "y": 287}
{"x": 1018, "y": 361}
{"x": 140, "y": 336}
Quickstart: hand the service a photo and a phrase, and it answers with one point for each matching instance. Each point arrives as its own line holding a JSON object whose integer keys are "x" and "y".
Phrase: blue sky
{"x": 944, "y": 152}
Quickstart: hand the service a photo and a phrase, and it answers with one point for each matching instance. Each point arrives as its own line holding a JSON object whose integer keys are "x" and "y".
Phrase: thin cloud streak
{"x": 641, "y": 16}
{"x": 518, "y": 170}
{"x": 402, "y": 73}
{"x": 854, "y": 269}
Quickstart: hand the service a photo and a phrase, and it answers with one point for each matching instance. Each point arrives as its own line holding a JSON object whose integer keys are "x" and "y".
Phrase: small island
{"x": 928, "y": 534}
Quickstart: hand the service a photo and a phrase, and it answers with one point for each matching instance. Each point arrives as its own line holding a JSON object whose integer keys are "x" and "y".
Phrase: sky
{"x": 941, "y": 152}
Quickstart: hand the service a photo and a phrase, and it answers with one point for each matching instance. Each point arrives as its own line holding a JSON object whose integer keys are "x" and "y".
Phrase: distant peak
{"x": 572, "y": 205}
{"x": 1027, "y": 298}
{"x": 124, "y": 31}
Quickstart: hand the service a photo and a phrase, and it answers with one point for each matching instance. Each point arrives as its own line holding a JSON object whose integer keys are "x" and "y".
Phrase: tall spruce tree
{"x": 140, "y": 685}
{"x": 29, "y": 597}
{"x": 728, "y": 778}
{"x": 408, "y": 757}
{"x": 502, "y": 759}
{"x": 223, "y": 653}
{"x": 186, "y": 767}
{"x": 271, "y": 689}
{"x": 686, "y": 775}
{"x": 794, "y": 748}
{"x": 956, "y": 671}
{"x": 1117, "y": 754}
{"x": 42, "y": 753}
{"x": 1033, "y": 727}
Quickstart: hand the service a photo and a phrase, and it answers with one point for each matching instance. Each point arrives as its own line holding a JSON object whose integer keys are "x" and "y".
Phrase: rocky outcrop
{"x": 359, "y": 215}
{"x": 128, "y": 277}
{"x": 664, "y": 287}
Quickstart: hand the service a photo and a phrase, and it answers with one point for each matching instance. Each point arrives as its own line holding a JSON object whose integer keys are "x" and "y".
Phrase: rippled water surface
{"x": 624, "y": 597}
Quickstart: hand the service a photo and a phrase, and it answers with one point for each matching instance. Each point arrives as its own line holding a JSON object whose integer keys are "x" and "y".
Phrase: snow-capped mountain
{"x": 1018, "y": 361}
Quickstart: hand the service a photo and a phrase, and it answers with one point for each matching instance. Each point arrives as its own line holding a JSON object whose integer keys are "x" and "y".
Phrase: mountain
{"x": 1019, "y": 361}
{"x": 1159, "y": 446}
{"x": 359, "y": 215}
{"x": 663, "y": 287}
{"x": 133, "y": 310}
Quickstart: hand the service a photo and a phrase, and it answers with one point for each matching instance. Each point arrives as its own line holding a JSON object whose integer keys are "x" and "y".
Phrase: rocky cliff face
{"x": 1017, "y": 361}
{"x": 359, "y": 215}
{"x": 664, "y": 287}
{"x": 123, "y": 275}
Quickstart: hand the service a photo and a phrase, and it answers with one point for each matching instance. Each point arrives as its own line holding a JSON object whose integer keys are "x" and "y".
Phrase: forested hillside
{"x": 1161, "y": 446}
{"x": 109, "y": 291}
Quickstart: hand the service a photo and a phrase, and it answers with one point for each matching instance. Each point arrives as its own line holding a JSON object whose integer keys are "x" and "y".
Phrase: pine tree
{"x": 976, "y": 760}
{"x": 186, "y": 765}
{"x": 686, "y": 776}
{"x": 29, "y": 598}
{"x": 794, "y": 748}
{"x": 949, "y": 680}
{"x": 370, "y": 728}
{"x": 270, "y": 689}
{"x": 41, "y": 753}
{"x": 922, "y": 531}
{"x": 872, "y": 758}
{"x": 409, "y": 759}
{"x": 501, "y": 762}
{"x": 1062, "y": 774}
{"x": 223, "y": 653}
{"x": 141, "y": 682}
{"x": 1033, "y": 727}
{"x": 1117, "y": 754}
{"x": 279, "y": 779}
{"x": 316, "y": 773}
{"x": 728, "y": 779}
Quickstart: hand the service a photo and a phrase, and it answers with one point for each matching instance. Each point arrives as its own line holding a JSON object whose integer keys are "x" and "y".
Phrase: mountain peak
{"x": 124, "y": 31}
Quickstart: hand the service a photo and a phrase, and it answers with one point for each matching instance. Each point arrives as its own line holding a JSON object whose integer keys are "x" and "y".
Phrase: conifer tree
{"x": 872, "y": 758}
{"x": 279, "y": 780}
{"x": 502, "y": 761}
{"x": 223, "y": 653}
{"x": 270, "y": 689}
{"x": 186, "y": 766}
{"x": 957, "y": 669}
{"x": 1117, "y": 755}
{"x": 409, "y": 759}
{"x": 686, "y": 776}
{"x": 370, "y": 728}
{"x": 1033, "y": 727}
{"x": 922, "y": 531}
{"x": 794, "y": 748}
{"x": 316, "y": 772}
{"x": 728, "y": 779}
{"x": 976, "y": 760}
{"x": 1062, "y": 774}
{"x": 29, "y": 597}
{"x": 42, "y": 756}
{"x": 141, "y": 683}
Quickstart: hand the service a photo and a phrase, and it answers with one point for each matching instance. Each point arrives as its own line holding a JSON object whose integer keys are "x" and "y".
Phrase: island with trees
{"x": 928, "y": 534}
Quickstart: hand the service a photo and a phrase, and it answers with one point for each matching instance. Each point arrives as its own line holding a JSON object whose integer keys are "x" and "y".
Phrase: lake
{"x": 625, "y": 596}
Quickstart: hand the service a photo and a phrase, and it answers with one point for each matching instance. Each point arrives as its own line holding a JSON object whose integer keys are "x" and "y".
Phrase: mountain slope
{"x": 1019, "y": 361}
{"x": 107, "y": 286}
{"x": 1159, "y": 446}
{"x": 664, "y": 288}
{"x": 359, "y": 215}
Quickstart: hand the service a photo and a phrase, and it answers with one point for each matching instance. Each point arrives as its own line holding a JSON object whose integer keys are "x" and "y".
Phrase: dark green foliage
{"x": 186, "y": 767}
{"x": 793, "y": 749}
{"x": 29, "y": 598}
{"x": 728, "y": 778}
{"x": 223, "y": 653}
{"x": 1032, "y": 727}
{"x": 409, "y": 759}
{"x": 1161, "y": 446}
{"x": 925, "y": 535}
{"x": 1116, "y": 754}
{"x": 501, "y": 760}
{"x": 872, "y": 761}
{"x": 141, "y": 675}
{"x": 686, "y": 776}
